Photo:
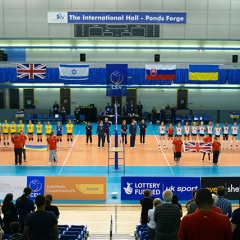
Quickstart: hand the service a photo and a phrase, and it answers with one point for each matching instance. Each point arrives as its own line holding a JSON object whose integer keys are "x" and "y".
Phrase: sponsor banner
{"x": 36, "y": 183}
{"x": 118, "y": 17}
{"x": 231, "y": 185}
{"x": 132, "y": 187}
{"x": 76, "y": 188}
{"x": 14, "y": 185}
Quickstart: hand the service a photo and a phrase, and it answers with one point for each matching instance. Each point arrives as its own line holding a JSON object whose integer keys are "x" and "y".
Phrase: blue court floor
{"x": 114, "y": 179}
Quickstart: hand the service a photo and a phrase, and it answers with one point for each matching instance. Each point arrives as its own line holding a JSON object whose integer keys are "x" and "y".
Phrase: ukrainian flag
{"x": 36, "y": 148}
{"x": 203, "y": 72}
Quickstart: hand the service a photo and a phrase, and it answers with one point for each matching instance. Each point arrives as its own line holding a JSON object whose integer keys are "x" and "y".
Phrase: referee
{"x": 17, "y": 142}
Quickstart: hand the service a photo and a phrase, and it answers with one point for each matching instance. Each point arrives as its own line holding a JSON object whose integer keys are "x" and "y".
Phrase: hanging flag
{"x": 116, "y": 79}
{"x": 31, "y": 71}
{"x": 73, "y": 72}
{"x": 203, "y": 72}
{"x": 197, "y": 147}
{"x": 160, "y": 72}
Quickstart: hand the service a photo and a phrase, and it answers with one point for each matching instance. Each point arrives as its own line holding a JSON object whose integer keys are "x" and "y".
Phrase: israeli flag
{"x": 74, "y": 71}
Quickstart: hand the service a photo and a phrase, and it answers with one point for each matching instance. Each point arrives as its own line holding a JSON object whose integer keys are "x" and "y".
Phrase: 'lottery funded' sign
{"x": 132, "y": 188}
{"x": 118, "y": 17}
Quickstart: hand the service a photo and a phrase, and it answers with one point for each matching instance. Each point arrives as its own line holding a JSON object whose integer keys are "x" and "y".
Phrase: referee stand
{"x": 116, "y": 155}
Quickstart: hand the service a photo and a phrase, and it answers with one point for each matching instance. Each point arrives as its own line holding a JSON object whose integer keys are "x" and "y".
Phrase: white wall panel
{"x": 37, "y": 30}
{"x": 82, "y": 4}
{"x": 196, "y": 31}
{"x": 173, "y": 5}
{"x": 107, "y": 4}
{"x": 36, "y": 15}
{"x": 219, "y": 4}
{"x": 196, "y": 17}
{"x": 1, "y": 15}
{"x": 15, "y": 16}
{"x": 14, "y": 3}
{"x": 1, "y": 30}
{"x": 60, "y": 30}
{"x": 15, "y": 30}
{"x": 132, "y": 5}
{"x": 235, "y": 17}
{"x": 37, "y": 4}
{"x": 196, "y": 4}
{"x": 235, "y": 5}
{"x": 59, "y": 4}
{"x": 218, "y": 31}
{"x": 1, "y": 4}
{"x": 218, "y": 17}
{"x": 173, "y": 31}
{"x": 155, "y": 6}
{"x": 235, "y": 31}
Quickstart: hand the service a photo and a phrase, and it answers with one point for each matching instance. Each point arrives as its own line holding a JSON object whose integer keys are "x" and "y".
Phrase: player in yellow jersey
{"x": 39, "y": 128}
{"x": 69, "y": 128}
{"x": 20, "y": 126}
{"x": 12, "y": 129}
{"x": 48, "y": 129}
{"x": 30, "y": 130}
{"x": 5, "y": 132}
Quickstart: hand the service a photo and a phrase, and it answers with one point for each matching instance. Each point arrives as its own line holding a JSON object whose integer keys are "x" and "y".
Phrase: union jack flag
{"x": 31, "y": 71}
{"x": 197, "y": 147}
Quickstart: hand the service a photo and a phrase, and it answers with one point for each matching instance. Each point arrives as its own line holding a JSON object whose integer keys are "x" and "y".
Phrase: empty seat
{"x": 29, "y": 117}
{"x": 68, "y": 237}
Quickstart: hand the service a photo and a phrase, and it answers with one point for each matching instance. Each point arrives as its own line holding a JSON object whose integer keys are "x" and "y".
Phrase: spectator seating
{"x": 6, "y": 236}
{"x": 189, "y": 118}
{"x": 141, "y": 232}
{"x": 206, "y": 118}
{"x": 29, "y": 117}
{"x": 72, "y": 232}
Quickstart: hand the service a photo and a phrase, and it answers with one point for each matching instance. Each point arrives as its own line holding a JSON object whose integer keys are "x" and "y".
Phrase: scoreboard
{"x": 116, "y": 30}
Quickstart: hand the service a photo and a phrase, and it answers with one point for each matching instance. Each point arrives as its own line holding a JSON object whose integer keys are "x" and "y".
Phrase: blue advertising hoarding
{"x": 36, "y": 183}
{"x": 118, "y": 17}
{"x": 132, "y": 187}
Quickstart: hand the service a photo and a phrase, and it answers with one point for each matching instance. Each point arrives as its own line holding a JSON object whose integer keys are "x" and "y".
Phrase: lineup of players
{"x": 197, "y": 133}
{"x": 188, "y": 132}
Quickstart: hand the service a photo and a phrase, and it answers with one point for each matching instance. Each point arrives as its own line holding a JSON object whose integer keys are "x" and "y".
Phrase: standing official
{"x": 139, "y": 109}
{"x": 143, "y": 129}
{"x": 63, "y": 114}
{"x": 124, "y": 129}
{"x": 17, "y": 142}
{"x": 216, "y": 148}
{"x": 163, "y": 115}
{"x": 207, "y": 139}
{"x": 125, "y": 110}
{"x": 88, "y": 133}
{"x": 107, "y": 126}
{"x": 77, "y": 114}
{"x": 55, "y": 108}
{"x": 101, "y": 133}
{"x": 108, "y": 109}
{"x": 132, "y": 131}
{"x": 23, "y": 138}
{"x": 177, "y": 149}
{"x": 52, "y": 147}
{"x": 173, "y": 114}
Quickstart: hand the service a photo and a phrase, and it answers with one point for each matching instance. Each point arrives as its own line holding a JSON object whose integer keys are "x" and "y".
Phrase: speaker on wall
{"x": 156, "y": 57}
{"x": 82, "y": 57}
{"x": 234, "y": 58}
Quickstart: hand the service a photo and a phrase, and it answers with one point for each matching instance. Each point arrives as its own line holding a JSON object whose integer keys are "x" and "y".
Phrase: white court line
{"x": 68, "y": 154}
{"x": 164, "y": 154}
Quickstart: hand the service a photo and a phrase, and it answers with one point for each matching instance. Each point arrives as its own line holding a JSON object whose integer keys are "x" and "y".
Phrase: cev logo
{"x": 128, "y": 190}
{"x": 35, "y": 185}
{"x": 116, "y": 78}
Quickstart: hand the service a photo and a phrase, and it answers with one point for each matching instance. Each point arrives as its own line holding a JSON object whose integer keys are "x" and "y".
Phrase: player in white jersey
{"x": 209, "y": 129}
{"x": 225, "y": 130}
{"x": 179, "y": 130}
{"x": 217, "y": 131}
{"x": 201, "y": 129}
{"x": 234, "y": 130}
{"x": 162, "y": 131}
{"x": 187, "y": 131}
{"x": 194, "y": 130}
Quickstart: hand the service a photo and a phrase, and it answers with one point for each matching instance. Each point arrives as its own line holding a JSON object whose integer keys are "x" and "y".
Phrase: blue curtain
{"x": 234, "y": 76}
{"x": 136, "y": 76}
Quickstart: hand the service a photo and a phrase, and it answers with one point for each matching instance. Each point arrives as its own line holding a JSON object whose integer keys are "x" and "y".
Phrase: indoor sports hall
{"x": 171, "y": 61}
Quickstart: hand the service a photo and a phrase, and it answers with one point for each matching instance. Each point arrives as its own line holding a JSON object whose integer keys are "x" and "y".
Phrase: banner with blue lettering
{"x": 116, "y": 79}
{"x": 132, "y": 187}
{"x": 36, "y": 183}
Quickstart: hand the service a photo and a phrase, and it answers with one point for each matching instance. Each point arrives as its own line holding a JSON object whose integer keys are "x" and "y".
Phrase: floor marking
{"x": 163, "y": 154}
{"x": 68, "y": 154}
